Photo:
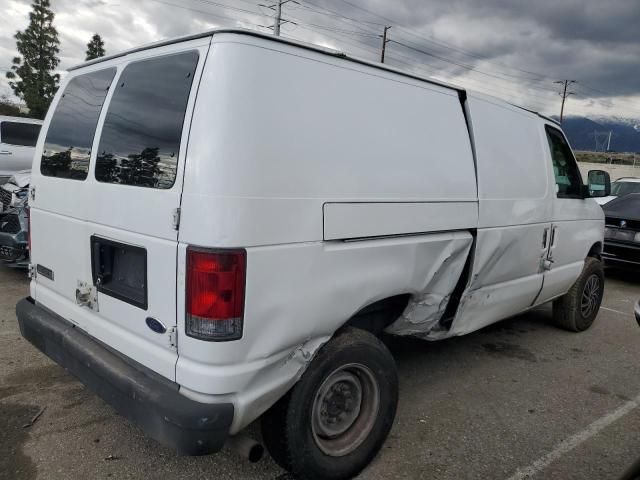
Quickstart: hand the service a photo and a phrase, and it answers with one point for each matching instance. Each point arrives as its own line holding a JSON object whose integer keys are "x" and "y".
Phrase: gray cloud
{"x": 512, "y": 49}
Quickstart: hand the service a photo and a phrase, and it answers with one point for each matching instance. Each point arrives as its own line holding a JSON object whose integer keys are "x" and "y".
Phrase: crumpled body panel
{"x": 426, "y": 308}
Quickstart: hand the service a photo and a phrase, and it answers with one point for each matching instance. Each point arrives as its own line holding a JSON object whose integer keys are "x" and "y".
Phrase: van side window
{"x": 142, "y": 130}
{"x": 70, "y": 135}
{"x": 565, "y": 168}
{"x": 20, "y": 134}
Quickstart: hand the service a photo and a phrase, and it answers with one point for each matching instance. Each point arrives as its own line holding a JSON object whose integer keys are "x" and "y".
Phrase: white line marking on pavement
{"x": 616, "y": 311}
{"x": 573, "y": 441}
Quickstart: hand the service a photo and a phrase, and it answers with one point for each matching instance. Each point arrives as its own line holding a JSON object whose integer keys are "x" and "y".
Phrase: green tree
{"x": 95, "y": 48}
{"x": 31, "y": 76}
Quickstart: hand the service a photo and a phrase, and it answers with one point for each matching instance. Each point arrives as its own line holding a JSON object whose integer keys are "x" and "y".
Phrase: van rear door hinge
{"x": 173, "y": 338}
{"x": 176, "y": 218}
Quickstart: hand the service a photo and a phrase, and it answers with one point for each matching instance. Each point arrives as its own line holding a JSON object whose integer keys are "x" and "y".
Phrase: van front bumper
{"x": 137, "y": 393}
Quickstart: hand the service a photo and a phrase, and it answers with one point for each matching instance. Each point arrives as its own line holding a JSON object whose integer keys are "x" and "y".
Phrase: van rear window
{"x": 70, "y": 135}
{"x": 20, "y": 134}
{"x": 141, "y": 134}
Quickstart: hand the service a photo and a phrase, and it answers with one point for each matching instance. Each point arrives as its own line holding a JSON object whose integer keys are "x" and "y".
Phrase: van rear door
{"x": 104, "y": 216}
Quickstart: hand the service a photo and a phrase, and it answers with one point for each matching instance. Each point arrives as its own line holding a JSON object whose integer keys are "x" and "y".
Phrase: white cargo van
{"x": 18, "y": 137}
{"x": 223, "y": 225}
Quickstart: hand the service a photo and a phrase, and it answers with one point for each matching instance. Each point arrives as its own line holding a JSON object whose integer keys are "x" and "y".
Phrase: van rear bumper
{"x": 137, "y": 393}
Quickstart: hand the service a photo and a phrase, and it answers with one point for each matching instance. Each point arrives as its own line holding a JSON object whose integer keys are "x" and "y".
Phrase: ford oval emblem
{"x": 623, "y": 224}
{"x": 155, "y": 325}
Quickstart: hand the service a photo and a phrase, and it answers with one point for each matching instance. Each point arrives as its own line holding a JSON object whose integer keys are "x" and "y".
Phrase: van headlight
{"x": 637, "y": 237}
{"x": 607, "y": 232}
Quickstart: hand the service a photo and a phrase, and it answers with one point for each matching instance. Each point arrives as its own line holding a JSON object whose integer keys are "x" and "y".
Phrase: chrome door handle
{"x": 5, "y": 152}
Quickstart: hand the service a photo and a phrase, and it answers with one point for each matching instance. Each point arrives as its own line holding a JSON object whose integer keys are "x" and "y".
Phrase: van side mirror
{"x": 599, "y": 183}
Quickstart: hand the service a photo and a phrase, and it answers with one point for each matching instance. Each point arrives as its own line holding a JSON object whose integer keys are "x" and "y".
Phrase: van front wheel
{"x": 335, "y": 419}
{"x": 578, "y": 308}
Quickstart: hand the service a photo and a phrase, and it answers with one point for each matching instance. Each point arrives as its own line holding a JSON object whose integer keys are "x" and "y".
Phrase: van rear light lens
{"x": 215, "y": 294}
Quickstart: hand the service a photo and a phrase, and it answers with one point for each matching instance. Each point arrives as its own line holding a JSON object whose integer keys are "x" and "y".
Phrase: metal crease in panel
{"x": 426, "y": 307}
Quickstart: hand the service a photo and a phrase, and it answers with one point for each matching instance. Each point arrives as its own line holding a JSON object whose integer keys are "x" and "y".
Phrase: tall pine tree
{"x": 95, "y": 48}
{"x": 31, "y": 76}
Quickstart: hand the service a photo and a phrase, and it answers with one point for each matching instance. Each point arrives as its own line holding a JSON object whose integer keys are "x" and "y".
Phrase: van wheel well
{"x": 596, "y": 251}
{"x": 374, "y": 318}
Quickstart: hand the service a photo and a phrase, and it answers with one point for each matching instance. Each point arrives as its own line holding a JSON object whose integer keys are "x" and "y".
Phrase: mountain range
{"x": 581, "y": 131}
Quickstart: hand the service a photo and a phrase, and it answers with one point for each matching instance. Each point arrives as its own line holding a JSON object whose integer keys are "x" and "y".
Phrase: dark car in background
{"x": 14, "y": 221}
{"x": 622, "y": 231}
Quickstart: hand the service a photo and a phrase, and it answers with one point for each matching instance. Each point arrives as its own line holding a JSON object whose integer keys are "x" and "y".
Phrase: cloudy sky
{"x": 513, "y": 49}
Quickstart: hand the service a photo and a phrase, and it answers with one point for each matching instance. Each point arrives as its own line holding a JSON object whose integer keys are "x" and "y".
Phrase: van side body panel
{"x": 578, "y": 224}
{"x": 515, "y": 209}
{"x": 289, "y": 316}
{"x": 276, "y": 169}
{"x": 273, "y": 141}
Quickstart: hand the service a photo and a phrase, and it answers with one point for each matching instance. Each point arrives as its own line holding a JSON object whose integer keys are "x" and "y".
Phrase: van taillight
{"x": 215, "y": 293}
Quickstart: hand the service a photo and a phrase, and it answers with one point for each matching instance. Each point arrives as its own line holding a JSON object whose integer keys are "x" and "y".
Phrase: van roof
{"x": 308, "y": 46}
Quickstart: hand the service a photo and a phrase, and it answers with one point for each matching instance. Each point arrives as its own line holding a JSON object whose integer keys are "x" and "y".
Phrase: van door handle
{"x": 554, "y": 231}
{"x": 545, "y": 238}
{"x": 5, "y": 152}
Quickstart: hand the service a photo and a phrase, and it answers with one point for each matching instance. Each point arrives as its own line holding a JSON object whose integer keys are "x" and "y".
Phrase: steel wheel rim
{"x": 590, "y": 296}
{"x": 345, "y": 409}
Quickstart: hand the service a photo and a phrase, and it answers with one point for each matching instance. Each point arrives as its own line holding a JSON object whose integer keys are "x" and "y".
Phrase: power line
{"x": 459, "y": 64}
{"x": 412, "y": 66}
{"x": 236, "y": 20}
{"x": 401, "y": 27}
{"x": 363, "y": 29}
{"x": 333, "y": 13}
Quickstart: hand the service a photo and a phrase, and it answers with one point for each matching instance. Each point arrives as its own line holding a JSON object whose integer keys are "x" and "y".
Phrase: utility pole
{"x": 384, "y": 43}
{"x": 278, "y": 20}
{"x": 276, "y": 25}
{"x": 565, "y": 94}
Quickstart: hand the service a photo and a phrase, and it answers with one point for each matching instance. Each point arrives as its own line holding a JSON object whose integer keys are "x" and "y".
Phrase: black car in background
{"x": 622, "y": 231}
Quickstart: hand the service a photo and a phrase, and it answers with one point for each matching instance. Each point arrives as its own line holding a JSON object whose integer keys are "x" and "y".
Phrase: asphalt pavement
{"x": 520, "y": 399}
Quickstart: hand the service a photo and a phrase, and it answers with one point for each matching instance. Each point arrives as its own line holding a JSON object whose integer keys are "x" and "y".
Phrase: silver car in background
{"x": 18, "y": 138}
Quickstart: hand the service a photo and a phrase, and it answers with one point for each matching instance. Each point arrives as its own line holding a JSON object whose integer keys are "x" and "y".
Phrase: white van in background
{"x": 18, "y": 137}
{"x": 224, "y": 224}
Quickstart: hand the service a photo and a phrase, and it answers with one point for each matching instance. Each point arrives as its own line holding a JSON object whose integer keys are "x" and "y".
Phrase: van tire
{"x": 574, "y": 311}
{"x": 297, "y": 430}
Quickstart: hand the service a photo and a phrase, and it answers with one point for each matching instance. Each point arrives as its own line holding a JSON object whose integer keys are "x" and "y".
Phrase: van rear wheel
{"x": 578, "y": 308}
{"x": 336, "y": 418}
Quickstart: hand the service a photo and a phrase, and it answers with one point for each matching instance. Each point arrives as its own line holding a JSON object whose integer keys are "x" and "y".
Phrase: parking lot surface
{"x": 520, "y": 399}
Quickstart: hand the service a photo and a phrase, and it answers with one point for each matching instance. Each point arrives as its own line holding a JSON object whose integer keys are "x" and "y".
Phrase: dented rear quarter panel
{"x": 300, "y": 295}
